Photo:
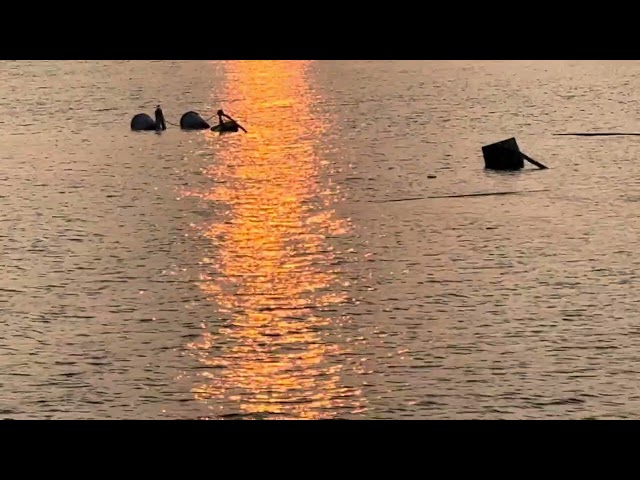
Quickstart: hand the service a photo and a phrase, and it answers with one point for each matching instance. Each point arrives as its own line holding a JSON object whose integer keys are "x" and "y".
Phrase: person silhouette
{"x": 221, "y": 114}
{"x": 160, "y": 123}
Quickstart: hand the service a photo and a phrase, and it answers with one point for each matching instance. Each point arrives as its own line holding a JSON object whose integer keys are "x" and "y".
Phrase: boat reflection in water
{"x": 271, "y": 272}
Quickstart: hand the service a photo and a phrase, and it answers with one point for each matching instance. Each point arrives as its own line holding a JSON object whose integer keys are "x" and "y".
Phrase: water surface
{"x": 302, "y": 270}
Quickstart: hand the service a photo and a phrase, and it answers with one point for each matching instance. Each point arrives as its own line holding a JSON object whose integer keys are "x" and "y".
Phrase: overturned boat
{"x": 193, "y": 121}
{"x": 143, "y": 122}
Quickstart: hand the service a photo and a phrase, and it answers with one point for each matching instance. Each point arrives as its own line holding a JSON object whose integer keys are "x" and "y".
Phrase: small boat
{"x": 230, "y": 126}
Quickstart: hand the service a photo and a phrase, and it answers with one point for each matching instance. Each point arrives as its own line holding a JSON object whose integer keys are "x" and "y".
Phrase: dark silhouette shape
{"x": 193, "y": 121}
{"x": 221, "y": 116}
{"x": 160, "y": 124}
{"x": 506, "y": 155}
{"x": 225, "y": 127}
{"x": 534, "y": 162}
{"x": 143, "y": 122}
{"x": 229, "y": 126}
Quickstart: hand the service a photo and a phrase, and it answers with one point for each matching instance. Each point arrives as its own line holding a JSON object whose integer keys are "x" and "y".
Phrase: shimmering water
{"x": 301, "y": 270}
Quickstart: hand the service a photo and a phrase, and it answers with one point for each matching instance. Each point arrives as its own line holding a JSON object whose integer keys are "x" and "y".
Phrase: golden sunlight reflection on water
{"x": 271, "y": 272}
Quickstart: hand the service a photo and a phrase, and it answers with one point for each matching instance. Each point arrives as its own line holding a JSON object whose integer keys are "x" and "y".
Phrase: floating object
{"x": 604, "y": 134}
{"x": 431, "y": 176}
{"x": 230, "y": 126}
{"x": 143, "y": 122}
{"x": 193, "y": 121}
{"x": 506, "y": 155}
{"x": 226, "y": 126}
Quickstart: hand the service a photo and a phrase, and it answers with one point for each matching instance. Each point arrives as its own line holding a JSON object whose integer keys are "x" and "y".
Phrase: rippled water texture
{"x": 304, "y": 270}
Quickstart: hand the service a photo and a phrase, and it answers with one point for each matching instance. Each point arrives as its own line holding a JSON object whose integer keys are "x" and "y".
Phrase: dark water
{"x": 301, "y": 270}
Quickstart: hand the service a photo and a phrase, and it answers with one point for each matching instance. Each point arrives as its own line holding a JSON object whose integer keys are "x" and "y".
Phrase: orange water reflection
{"x": 271, "y": 272}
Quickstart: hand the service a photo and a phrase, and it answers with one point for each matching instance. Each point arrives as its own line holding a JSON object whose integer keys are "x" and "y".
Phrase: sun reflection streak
{"x": 272, "y": 274}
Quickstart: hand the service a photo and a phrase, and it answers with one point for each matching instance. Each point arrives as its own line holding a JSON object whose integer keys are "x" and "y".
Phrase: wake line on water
{"x": 459, "y": 196}
{"x": 603, "y": 134}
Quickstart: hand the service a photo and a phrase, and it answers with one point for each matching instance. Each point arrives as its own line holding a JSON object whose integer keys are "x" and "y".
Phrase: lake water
{"x": 304, "y": 270}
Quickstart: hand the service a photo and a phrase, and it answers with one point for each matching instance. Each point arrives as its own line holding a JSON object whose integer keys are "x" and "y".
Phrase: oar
{"x": 239, "y": 126}
{"x": 531, "y": 160}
